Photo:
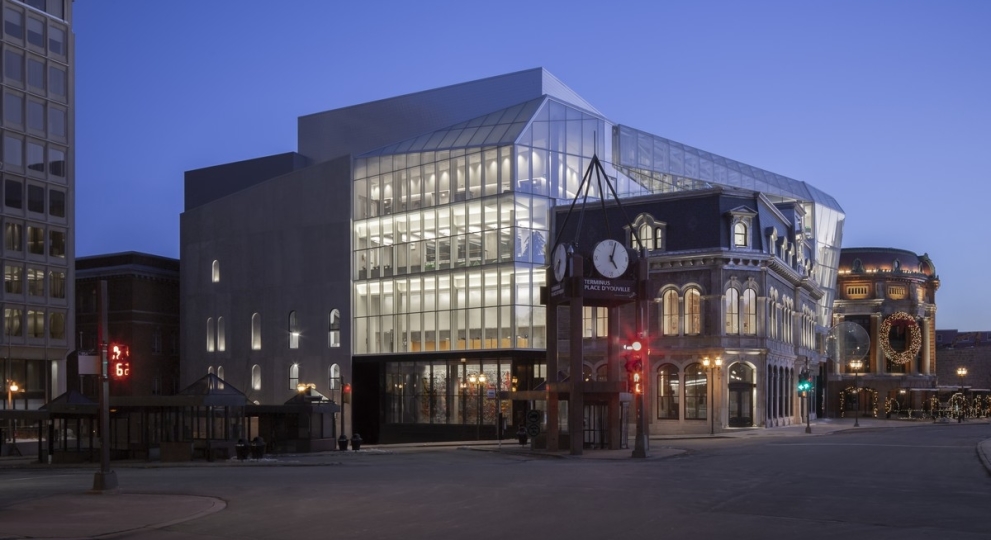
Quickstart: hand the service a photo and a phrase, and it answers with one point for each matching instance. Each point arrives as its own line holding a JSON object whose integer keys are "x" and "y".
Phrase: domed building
{"x": 891, "y": 293}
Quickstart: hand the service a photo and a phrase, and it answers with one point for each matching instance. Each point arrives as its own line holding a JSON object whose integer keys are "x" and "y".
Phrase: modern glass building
{"x": 36, "y": 136}
{"x": 452, "y": 194}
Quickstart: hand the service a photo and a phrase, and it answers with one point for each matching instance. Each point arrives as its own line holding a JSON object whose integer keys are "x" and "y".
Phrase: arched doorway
{"x": 741, "y": 395}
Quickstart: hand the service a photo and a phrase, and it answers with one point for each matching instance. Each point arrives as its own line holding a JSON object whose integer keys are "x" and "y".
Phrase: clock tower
{"x": 598, "y": 271}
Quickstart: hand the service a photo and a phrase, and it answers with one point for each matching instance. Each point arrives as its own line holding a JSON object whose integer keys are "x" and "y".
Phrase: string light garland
{"x": 915, "y": 338}
{"x": 852, "y": 390}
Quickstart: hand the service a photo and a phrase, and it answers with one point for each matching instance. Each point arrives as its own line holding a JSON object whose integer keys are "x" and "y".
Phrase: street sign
{"x": 533, "y": 417}
{"x": 532, "y": 430}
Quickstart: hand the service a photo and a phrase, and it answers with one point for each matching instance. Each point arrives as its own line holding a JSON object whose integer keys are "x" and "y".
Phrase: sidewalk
{"x": 93, "y": 515}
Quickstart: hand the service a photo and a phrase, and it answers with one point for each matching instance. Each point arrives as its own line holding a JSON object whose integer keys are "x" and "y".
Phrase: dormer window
{"x": 741, "y": 220}
{"x": 650, "y": 232}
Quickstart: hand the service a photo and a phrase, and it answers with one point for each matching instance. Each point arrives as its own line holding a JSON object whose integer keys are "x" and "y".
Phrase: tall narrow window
{"x": 211, "y": 334}
{"x": 693, "y": 311}
{"x": 696, "y": 393}
{"x": 293, "y": 331}
{"x": 749, "y": 312}
{"x": 646, "y": 234}
{"x": 12, "y": 321}
{"x": 334, "y": 329}
{"x": 732, "y": 311}
{"x": 667, "y": 392}
{"x": 740, "y": 234}
{"x": 221, "y": 335}
{"x": 56, "y": 325}
{"x": 220, "y": 375}
{"x": 334, "y": 382}
{"x": 293, "y": 376}
{"x": 13, "y": 237}
{"x": 215, "y": 275}
{"x": 256, "y": 332}
{"x": 56, "y": 284}
{"x": 13, "y": 279}
{"x": 256, "y": 377}
{"x": 671, "y": 312}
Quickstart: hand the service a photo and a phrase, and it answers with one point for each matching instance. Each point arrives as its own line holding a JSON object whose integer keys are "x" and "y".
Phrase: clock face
{"x": 560, "y": 262}
{"x": 610, "y": 259}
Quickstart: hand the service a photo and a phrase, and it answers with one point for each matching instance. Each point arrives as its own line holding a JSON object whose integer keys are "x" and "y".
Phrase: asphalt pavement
{"x": 119, "y": 512}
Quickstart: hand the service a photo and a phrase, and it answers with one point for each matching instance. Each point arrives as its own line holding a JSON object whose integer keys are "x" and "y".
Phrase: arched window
{"x": 293, "y": 331}
{"x": 749, "y": 312}
{"x": 209, "y": 370}
{"x": 256, "y": 332}
{"x": 293, "y": 376}
{"x": 671, "y": 312}
{"x": 220, "y": 375}
{"x": 587, "y": 373}
{"x": 221, "y": 335}
{"x": 334, "y": 329}
{"x": 646, "y": 233}
{"x": 732, "y": 310}
{"x": 256, "y": 377}
{"x": 667, "y": 392}
{"x": 693, "y": 311}
{"x": 211, "y": 335}
{"x": 739, "y": 234}
{"x": 696, "y": 392}
{"x": 334, "y": 377}
{"x": 215, "y": 276}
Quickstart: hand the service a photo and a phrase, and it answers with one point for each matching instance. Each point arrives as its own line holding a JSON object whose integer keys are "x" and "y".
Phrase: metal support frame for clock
{"x": 617, "y": 276}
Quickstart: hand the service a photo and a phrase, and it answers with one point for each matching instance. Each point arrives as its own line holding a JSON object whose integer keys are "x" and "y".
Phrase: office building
{"x": 38, "y": 211}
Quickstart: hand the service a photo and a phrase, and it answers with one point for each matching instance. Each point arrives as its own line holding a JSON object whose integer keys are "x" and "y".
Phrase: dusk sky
{"x": 882, "y": 104}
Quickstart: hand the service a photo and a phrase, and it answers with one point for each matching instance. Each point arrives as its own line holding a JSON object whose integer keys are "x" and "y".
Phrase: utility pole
{"x": 105, "y": 480}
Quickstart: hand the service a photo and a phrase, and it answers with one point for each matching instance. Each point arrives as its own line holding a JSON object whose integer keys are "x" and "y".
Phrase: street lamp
{"x": 712, "y": 367}
{"x": 855, "y": 365}
{"x": 477, "y": 380}
{"x": 11, "y": 388}
{"x": 961, "y": 372}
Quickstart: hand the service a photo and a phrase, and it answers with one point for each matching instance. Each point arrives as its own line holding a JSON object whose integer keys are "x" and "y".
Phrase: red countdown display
{"x": 119, "y": 360}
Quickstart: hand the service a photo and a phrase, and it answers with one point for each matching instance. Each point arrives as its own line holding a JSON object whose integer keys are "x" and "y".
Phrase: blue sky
{"x": 882, "y": 104}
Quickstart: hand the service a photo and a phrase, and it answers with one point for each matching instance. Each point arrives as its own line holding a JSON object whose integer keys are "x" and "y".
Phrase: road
{"x": 919, "y": 482}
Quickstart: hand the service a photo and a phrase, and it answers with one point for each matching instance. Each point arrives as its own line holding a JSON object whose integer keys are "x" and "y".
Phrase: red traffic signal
{"x": 346, "y": 393}
{"x": 634, "y": 357}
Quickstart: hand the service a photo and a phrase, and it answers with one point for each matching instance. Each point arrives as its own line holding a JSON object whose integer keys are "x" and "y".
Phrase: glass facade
{"x": 452, "y": 228}
{"x": 447, "y": 391}
{"x": 450, "y": 244}
{"x": 658, "y": 165}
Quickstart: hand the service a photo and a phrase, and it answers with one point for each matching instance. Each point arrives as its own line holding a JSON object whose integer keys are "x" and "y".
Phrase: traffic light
{"x": 634, "y": 366}
{"x": 346, "y": 393}
{"x": 119, "y": 360}
{"x": 634, "y": 357}
{"x": 804, "y": 382}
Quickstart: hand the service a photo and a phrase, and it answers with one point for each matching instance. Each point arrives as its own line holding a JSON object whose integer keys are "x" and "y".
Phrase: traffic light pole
{"x": 105, "y": 479}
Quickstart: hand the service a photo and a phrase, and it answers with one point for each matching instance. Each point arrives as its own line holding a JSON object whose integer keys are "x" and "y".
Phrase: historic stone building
{"x": 891, "y": 293}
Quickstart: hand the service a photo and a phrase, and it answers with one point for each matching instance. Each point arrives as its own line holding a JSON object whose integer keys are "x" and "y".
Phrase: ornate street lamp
{"x": 477, "y": 380}
{"x": 855, "y": 365}
{"x": 712, "y": 367}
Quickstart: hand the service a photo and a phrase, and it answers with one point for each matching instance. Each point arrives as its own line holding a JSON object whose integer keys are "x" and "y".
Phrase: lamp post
{"x": 712, "y": 367}
{"x": 855, "y": 365}
{"x": 961, "y": 372}
{"x": 477, "y": 380}
{"x": 11, "y": 388}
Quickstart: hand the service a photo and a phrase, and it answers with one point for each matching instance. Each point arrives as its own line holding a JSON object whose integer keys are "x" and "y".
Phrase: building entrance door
{"x": 596, "y": 426}
{"x": 741, "y": 405}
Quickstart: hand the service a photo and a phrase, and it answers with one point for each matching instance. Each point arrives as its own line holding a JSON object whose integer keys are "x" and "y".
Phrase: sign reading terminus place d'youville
{"x": 606, "y": 289}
